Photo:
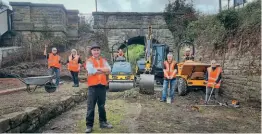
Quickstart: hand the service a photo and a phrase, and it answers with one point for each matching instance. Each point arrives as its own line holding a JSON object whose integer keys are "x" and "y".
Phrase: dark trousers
{"x": 75, "y": 77}
{"x": 96, "y": 94}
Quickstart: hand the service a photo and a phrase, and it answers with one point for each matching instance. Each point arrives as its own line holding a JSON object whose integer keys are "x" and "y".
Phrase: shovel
{"x": 211, "y": 93}
{"x": 168, "y": 100}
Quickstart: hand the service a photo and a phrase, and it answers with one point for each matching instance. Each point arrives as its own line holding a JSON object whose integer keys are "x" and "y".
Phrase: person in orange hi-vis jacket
{"x": 98, "y": 69}
{"x": 54, "y": 63}
{"x": 213, "y": 80}
{"x": 74, "y": 64}
{"x": 170, "y": 71}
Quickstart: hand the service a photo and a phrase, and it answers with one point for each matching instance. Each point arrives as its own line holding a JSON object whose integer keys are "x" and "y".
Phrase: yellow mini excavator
{"x": 150, "y": 67}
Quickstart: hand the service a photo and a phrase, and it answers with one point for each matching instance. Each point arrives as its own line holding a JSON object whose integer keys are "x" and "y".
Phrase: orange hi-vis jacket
{"x": 53, "y": 61}
{"x": 120, "y": 55}
{"x": 213, "y": 76}
{"x": 169, "y": 69}
{"x": 97, "y": 79}
{"x": 73, "y": 64}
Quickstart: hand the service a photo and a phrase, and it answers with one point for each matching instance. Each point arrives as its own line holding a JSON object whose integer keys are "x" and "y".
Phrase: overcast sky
{"x": 88, "y": 6}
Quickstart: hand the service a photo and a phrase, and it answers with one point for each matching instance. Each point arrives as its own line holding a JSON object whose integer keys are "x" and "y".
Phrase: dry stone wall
{"x": 241, "y": 65}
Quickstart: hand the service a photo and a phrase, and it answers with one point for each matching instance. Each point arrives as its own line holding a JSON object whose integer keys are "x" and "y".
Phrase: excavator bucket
{"x": 146, "y": 83}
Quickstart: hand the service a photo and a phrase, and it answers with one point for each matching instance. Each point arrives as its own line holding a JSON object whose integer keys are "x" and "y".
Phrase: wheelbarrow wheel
{"x": 29, "y": 89}
{"x": 50, "y": 87}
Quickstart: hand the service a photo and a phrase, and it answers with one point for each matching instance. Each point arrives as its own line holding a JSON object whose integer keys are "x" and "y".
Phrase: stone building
{"x": 29, "y": 18}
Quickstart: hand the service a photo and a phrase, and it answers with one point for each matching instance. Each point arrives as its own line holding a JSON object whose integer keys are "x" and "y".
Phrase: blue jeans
{"x": 171, "y": 90}
{"x": 57, "y": 74}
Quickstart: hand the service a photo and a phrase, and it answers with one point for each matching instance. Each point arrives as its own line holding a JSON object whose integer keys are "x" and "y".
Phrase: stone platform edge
{"x": 33, "y": 118}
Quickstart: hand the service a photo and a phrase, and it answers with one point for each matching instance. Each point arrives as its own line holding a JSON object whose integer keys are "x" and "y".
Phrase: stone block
{"x": 32, "y": 112}
{"x": 43, "y": 118}
{"x": 24, "y": 126}
{"x": 66, "y": 101}
{"x": 16, "y": 118}
{"x": 4, "y": 125}
{"x": 15, "y": 130}
{"x": 77, "y": 98}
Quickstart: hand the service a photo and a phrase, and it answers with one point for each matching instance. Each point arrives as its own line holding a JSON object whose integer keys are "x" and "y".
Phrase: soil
{"x": 145, "y": 114}
{"x": 18, "y": 101}
{"x": 8, "y": 83}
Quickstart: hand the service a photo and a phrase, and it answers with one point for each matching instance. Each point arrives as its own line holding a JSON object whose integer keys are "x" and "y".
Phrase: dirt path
{"x": 142, "y": 113}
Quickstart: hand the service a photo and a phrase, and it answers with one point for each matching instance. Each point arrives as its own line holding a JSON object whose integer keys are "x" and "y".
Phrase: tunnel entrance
{"x": 136, "y": 40}
{"x": 136, "y": 48}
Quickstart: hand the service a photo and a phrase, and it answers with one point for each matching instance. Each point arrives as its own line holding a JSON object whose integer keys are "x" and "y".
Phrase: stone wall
{"x": 30, "y": 20}
{"x": 29, "y": 120}
{"x": 73, "y": 21}
{"x": 38, "y": 18}
{"x": 119, "y": 25}
{"x": 241, "y": 65}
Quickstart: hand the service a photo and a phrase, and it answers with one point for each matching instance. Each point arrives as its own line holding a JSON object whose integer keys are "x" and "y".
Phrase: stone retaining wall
{"x": 241, "y": 66}
{"x": 32, "y": 118}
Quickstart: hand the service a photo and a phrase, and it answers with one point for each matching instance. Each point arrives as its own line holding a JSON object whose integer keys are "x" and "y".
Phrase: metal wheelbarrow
{"x": 46, "y": 81}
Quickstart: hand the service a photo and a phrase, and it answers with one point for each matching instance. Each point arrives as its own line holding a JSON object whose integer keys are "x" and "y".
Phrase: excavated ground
{"x": 132, "y": 112}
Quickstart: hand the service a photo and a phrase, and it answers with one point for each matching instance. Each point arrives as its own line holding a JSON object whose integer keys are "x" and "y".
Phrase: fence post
{"x": 1, "y": 57}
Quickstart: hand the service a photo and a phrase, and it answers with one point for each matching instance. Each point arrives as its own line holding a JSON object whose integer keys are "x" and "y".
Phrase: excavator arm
{"x": 148, "y": 53}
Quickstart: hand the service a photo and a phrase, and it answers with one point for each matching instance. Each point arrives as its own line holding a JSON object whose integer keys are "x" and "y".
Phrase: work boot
{"x": 89, "y": 129}
{"x": 74, "y": 85}
{"x": 105, "y": 125}
{"x": 77, "y": 85}
{"x": 162, "y": 100}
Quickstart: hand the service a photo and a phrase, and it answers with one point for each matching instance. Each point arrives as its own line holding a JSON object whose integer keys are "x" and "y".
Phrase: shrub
{"x": 229, "y": 19}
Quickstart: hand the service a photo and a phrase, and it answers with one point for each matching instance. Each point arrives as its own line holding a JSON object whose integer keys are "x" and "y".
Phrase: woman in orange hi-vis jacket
{"x": 54, "y": 63}
{"x": 74, "y": 64}
{"x": 213, "y": 80}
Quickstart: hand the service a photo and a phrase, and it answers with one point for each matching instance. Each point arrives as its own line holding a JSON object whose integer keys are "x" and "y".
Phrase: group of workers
{"x": 212, "y": 77}
{"x": 98, "y": 69}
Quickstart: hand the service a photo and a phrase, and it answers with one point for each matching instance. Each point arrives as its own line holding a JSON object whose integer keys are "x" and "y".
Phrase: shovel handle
{"x": 210, "y": 94}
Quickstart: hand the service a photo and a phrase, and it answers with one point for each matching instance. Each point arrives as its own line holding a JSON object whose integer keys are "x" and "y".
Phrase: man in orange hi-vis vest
{"x": 98, "y": 69}
{"x": 213, "y": 80}
{"x": 73, "y": 65}
{"x": 54, "y": 63}
{"x": 188, "y": 55}
{"x": 170, "y": 71}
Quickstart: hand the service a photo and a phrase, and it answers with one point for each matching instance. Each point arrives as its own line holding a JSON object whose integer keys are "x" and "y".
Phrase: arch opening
{"x": 136, "y": 40}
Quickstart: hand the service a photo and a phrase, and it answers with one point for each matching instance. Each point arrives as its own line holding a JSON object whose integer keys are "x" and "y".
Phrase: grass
{"x": 134, "y": 52}
{"x": 115, "y": 110}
